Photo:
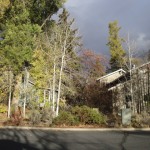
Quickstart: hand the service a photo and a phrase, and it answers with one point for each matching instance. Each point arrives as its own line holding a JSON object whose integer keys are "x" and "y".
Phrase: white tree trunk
{"x": 10, "y": 94}
{"x": 54, "y": 89}
{"x": 60, "y": 78}
{"x": 130, "y": 47}
{"x": 64, "y": 48}
{"x": 49, "y": 97}
{"x": 26, "y": 78}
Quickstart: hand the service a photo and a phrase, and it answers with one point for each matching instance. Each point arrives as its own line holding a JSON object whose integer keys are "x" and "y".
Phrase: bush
{"x": 35, "y": 117}
{"x": 47, "y": 115}
{"x": 87, "y": 115}
{"x": 65, "y": 118}
{"x": 3, "y": 108}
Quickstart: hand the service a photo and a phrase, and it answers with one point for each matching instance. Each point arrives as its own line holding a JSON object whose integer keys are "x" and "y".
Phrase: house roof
{"x": 143, "y": 66}
{"x": 122, "y": 77}
{"x": 112, "y": 76}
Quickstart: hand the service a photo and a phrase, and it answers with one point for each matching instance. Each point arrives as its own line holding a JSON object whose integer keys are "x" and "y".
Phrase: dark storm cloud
{"x": 93, "y": 17}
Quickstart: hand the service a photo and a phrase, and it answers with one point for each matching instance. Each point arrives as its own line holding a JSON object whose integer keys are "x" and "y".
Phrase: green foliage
{"x": 79, "y": 115}
{"x": 49, "y": 53}
{"x": 3, "y": 108}
{"x": 39, "y": 70}
{"x": 71, "y": 41}
{"x": 45, "y": 9}
{"x": 4, "y": 75}
{"x": 3, "y": 6}
{"x": 19, "y": 25}
{"x": 18, "y": 36}
{"x": 115, "y": 45}
{"x": 87, "y": 115}
{"x": 65, "y": 118}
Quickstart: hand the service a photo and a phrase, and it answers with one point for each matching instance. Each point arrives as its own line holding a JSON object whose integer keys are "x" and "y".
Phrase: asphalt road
{"x": 23, "y": 139}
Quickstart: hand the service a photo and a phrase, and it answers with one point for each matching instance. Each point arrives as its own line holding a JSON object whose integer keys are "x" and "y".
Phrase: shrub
{"x": 65, "y": 118}
{"x": 35, "y": 117}
{"x": 16, "y": 114}
{"x": 87, "y": 115}
{"x": 47, "y": 115}
{"x": 96, "y": 117}
{"x": 3, "y": 108}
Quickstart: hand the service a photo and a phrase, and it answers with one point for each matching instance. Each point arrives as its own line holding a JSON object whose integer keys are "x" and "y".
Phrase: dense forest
{"x": 46, "y": 75}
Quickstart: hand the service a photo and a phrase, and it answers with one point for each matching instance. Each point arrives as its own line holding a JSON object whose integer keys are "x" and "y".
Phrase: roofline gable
{"x": 111, "y": 74}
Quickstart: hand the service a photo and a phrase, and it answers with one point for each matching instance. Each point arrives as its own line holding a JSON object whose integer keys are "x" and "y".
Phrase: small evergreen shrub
{"x": 65, "y": 118}
{"x": 79, "y": 115}
{"x": 87, "y": 115}
{"x": 3, "y": 108}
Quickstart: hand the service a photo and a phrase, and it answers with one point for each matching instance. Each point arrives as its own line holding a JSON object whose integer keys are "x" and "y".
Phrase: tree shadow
{"x": 36, "y": 139}
{"x": 9, "y": 144}
{"x": 18, "y": 139}
{"x": 136, "y": 133}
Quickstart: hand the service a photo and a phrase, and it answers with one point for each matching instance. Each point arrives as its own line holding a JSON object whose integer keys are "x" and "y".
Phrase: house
{"x": 112, "y": 79}
{"x": 133, "y": 87}
{"x": 30, "y": 92}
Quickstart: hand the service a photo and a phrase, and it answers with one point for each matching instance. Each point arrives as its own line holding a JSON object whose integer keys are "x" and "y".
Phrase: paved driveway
{"x": 23, "y": 139}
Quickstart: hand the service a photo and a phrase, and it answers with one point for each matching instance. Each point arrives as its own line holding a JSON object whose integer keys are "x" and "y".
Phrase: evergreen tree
{"x": 17, "y": 44}
{"x": 117, "y": 52}
{"x": 3, "y": 6}
{"x": 19, "y": 27}
{"x": 58, "y": 60}
{"x": 71, "y": 62}
{"x": 18, "y": 36}
{"x": 41, "y": 11}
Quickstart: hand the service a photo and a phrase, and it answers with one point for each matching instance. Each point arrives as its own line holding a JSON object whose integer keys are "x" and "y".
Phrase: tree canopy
{"x": 117, "y": 52}
{"x": 18, "y": 36}
{"x": 20, "y": 24}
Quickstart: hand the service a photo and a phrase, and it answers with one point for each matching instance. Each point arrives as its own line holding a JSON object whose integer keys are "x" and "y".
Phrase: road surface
{"x": 36, "y": 139}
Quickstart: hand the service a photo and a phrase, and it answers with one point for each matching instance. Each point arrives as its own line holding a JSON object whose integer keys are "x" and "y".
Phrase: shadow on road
{"x": 9, "y": 144}
{"x": 132, "y": 133}
{"x": 124, "y": 139}
{"x": 17, "y": 139}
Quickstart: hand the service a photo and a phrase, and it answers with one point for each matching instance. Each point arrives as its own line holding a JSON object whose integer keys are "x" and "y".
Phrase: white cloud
{"x": 142, "y": 42}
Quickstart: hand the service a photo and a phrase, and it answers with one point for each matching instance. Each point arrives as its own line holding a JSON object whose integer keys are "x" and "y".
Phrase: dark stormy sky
{"x": 93, "y": 16}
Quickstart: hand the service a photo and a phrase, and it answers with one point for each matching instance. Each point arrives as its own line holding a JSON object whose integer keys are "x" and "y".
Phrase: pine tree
{"x": 41, "y": 11}
{"x": 19, "y": 26}
{"x": 117, "y": 52}
{"x": 58, "y": 59}
{"x": 18, "y": 36}
{"x": 3, "y": 6}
